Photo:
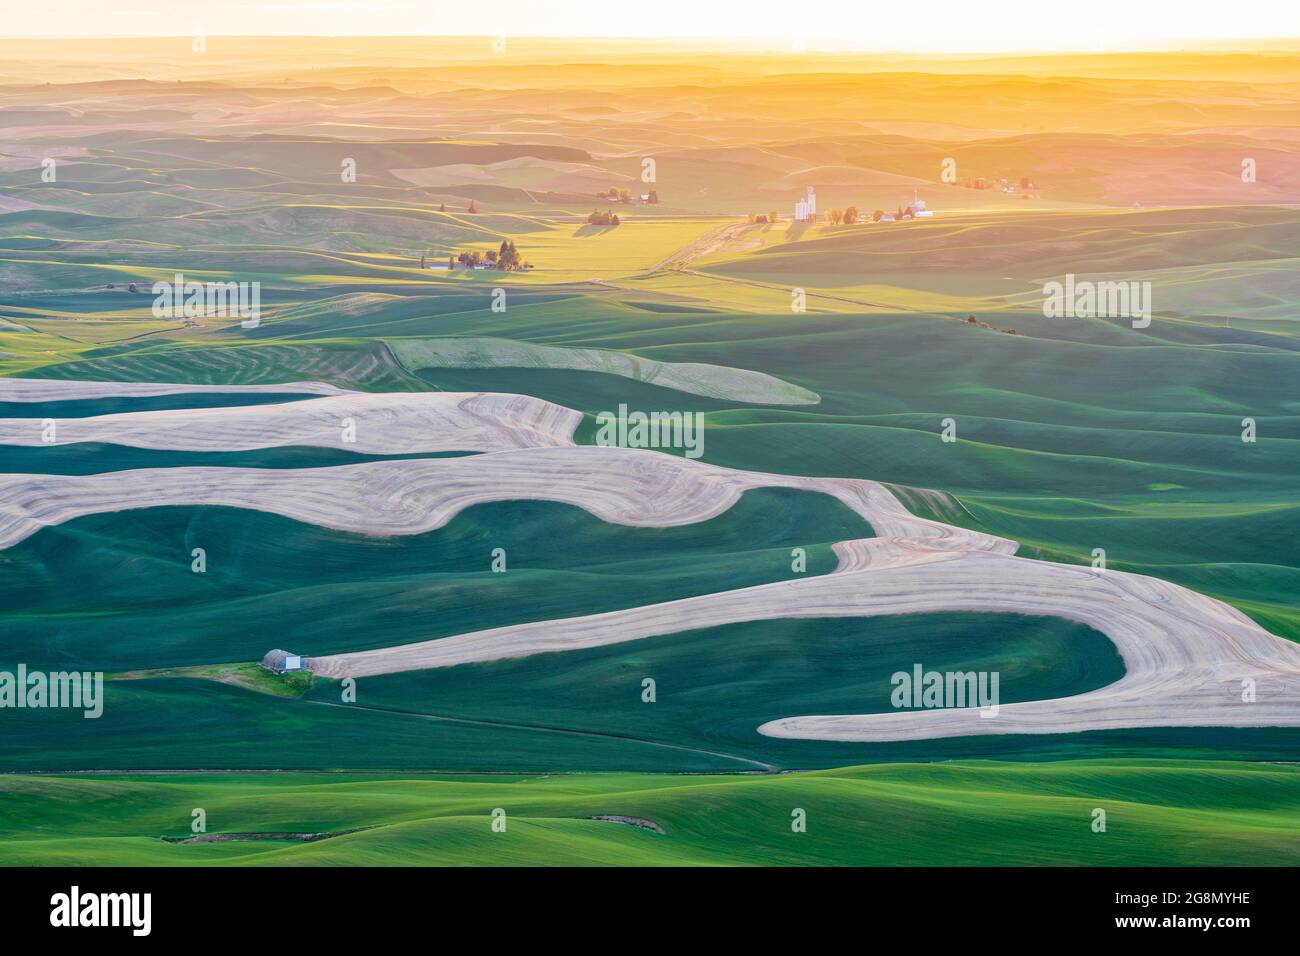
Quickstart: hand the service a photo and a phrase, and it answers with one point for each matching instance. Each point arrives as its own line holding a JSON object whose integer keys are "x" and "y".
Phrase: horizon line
{"x": 807, "y": 45}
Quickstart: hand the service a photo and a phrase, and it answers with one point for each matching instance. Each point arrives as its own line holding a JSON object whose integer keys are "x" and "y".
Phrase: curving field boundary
{"x": 1188, "y": 657}
{"x": 721, "y": 382}
{"x": 1185, "y": 655}
{"x": 65, "y": 390}
{"x": 380, "y": 424}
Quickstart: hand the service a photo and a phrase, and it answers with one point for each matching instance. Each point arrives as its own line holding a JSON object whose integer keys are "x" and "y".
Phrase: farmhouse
{"x": 279, "y": 661}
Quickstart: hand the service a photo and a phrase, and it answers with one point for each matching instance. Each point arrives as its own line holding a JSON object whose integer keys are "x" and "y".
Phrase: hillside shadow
{"x": 795, "y": 231}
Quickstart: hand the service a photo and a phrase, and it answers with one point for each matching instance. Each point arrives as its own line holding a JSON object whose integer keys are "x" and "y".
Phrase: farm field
{"x": 1169, "y": 811}
{"x": 398, "y": 470}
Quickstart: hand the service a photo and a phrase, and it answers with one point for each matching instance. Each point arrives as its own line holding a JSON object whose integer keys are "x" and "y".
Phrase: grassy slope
{"x": 1069, "y": 437}
{"x": 92, "y": 458}
{"x": 583, "y": 709}
{"x": 273, "y": 581}
{"x": 1073, "y": 437}
{"x": 1106, "y": 243}
{"x": 952, "y": 814}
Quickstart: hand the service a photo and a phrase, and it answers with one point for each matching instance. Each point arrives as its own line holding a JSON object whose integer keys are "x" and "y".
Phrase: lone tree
{"x": 850, "y": 215}
{"x": 471, "y": 207}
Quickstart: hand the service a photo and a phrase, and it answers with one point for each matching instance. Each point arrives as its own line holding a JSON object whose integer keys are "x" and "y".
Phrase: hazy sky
{"x": 954, "y": 25}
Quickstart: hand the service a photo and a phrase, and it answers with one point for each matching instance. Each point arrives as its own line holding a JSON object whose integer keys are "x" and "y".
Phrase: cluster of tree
{"x": 851, "y": 214}
{"x": 507, "y": 259}
{"x": 847, "y": 216}
{"x": 899, "y": 214}
{"x": 600, "y": 217}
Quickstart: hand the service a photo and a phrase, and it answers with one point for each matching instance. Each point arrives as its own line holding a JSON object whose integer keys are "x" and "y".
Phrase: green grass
{"x": 89, "y": 407}
{"x": 582, "y": 710}
{"x": 576, "y": 710}
{"x": 271, "y": 581}
{"x": 1073, "y": 435}
{"x": 971, "y": 253}
{"x": 963, "y": 814}
{"x": 715, "y": 686}
{"x": 1062, "y": 431}
{"x": 349, "y": 365}
{"x": 93, "y": 458}
{"x": 248, "y": 675}
{"x": 712, "y": 381}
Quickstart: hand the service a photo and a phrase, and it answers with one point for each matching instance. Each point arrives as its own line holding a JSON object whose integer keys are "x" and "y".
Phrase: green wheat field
{"x": 1075, "y": 434}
